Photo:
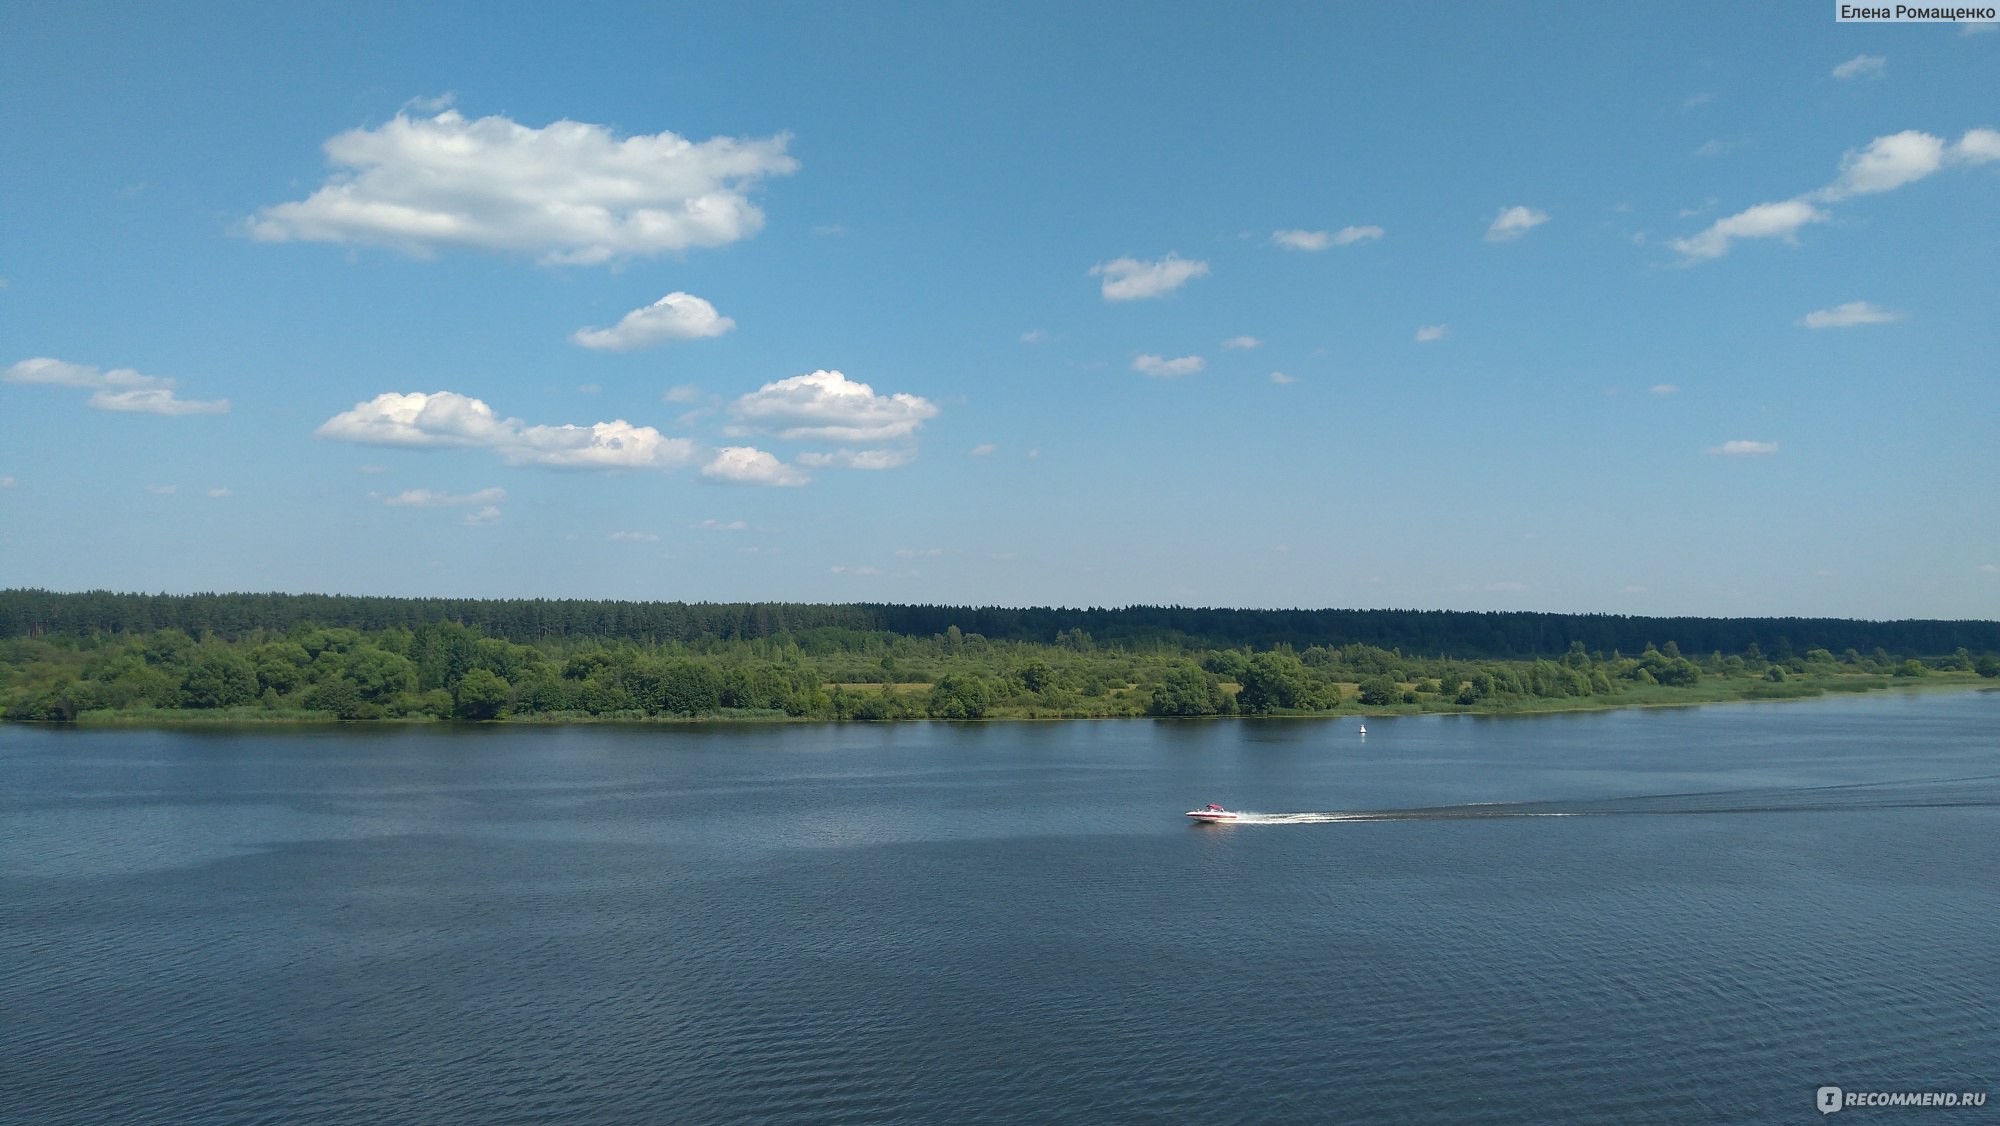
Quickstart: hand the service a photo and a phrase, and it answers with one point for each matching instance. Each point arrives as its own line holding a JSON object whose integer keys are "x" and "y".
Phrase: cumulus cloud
{"x": 828, "y": 406}
{"x": 859, "y": 459}
{"x": 569, "y": 192}
{"x": 1862, "y": 66}
{"x": 746, "y": 465}
{"x": 482, "y": 517}
{"x": 1130, "y": 279}
{"x": 427, "y": 498}
{"x": 1884, "y": 164}
{"x": 1852, "y": 313}
{"x": 677, "y": 316}
{"x": 1513, "y": 222}
{"x": 1161, "y": 368}
{"x": 1320, "y": 240}
{"x": 1766, "y": 220}
{"x": 448, "y": 419}
{"x": 119, "y": 389}
{"x": 1242, "y": 342}
{"x": 1744, "y": 448}
{"x": 1428, "y": 333}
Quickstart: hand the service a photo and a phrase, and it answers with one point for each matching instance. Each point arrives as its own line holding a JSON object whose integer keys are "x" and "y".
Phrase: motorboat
{"x": 1213, "y": 814}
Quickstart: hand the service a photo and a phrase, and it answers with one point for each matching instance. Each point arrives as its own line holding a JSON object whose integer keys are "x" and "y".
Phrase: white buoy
{"x": 1364, "y": 729}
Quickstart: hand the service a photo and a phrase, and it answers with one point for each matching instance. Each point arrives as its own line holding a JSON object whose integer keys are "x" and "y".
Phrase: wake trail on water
{"x": 1929, "y": 793}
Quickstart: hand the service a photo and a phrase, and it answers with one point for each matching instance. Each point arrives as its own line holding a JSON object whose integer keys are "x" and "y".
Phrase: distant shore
{"x": 238, "y": 718}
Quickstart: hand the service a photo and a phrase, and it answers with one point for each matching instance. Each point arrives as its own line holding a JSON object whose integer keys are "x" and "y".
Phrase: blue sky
{"x": 1661, "y": 309}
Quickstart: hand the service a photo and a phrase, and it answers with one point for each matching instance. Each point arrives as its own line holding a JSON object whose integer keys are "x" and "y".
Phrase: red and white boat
{"x": 1213, "y": 815}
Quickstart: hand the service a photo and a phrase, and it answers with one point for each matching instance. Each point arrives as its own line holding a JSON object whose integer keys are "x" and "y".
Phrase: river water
{"x": 1689, "y": 915}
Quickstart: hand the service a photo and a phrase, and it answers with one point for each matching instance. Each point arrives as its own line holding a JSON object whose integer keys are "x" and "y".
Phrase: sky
{"x": 1640, "y": 309}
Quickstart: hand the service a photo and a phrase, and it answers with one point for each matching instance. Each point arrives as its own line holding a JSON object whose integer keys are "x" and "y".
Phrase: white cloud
{"x": 1989, "y": 569}
{"x": 218, "y": 494}
{"x": 481, "y": 517}
{"x": 1242, "y": 342}
{"x": 1129, "y": 279}
{"x": 1978, "y": 146}
{"x": 1766, "y": 220}
{"x": 1742, "y": 448}
{"x": 427, "y": 498}
{"x": 1884, "y": 164}
{"x": 1701, "y": 99}
{"x": 8, "y": 482}
{"x": 1428, "y": 333}
{"x": 1281, "y": 378}
{"x": 1862, "y": 66}
{"x": 746, "y": 465}
{"x": 677, "y": 316}
{"x": 1034, "y": 336}
{"x": 1301, "y": 240}
{"x": 1161, "y": 368}
{"x": 1664, "y": 389}
{"x": 1852, "y": 313}
{"x": 569, "y": 193}
{"x": 1513, "y": 222}
{"x": 913, "y": 553}
{"x": 373, "y": 469}
{"x": 839, "y": 570}
{"x": 859, "y": 459}
{"x": 448, "y": 419}
{"x": 984, "y": 449}
{"x": 828, "y": 406}
{"x": 589, "y": 388}
{"x": 685, "y": 393}
{"x": 1320, "y": 240}
{"x": 633, "y": 537}
{"x": 120, "y": 389}
{"x": 156, "y": 401}
{"x": 719, "y": 526}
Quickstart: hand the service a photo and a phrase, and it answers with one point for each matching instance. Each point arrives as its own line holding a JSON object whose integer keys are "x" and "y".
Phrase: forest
{"x": 103, "y": 657}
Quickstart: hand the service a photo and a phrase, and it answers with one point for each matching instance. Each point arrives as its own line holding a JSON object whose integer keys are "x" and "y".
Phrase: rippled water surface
{"x": 1691, "y": 915}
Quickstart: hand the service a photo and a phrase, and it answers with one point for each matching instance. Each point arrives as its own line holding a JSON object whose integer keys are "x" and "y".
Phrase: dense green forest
{"x": 1461, "y": 634}
{"x": 152, "y": 658}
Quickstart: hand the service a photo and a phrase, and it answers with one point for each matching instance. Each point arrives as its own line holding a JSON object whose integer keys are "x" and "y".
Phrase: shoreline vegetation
{"x": 100, "y": 659}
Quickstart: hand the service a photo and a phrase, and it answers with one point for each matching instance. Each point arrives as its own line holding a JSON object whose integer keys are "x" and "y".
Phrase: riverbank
{"x": 1721, "y": 691}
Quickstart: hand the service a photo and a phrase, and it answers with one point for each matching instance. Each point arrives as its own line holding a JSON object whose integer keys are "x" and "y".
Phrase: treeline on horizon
{"x": 1496, "y": 635}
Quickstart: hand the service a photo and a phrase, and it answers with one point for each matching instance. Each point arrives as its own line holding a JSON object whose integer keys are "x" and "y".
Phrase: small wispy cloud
{"x": 1160, "y": 367}
{"x": 1852, "y": 313}
{"x": 119, "y": 389}
{"x": 482, "y": 517}
{"x": 984, "y": 449}
{"x": 721, "y": 526}
{"x": 1428, "y": 333}
{"x": 1133, "y": 279}
{"x": 1862, "y": 66}
{"x": 1034, "y": 336}
{"x": 859, "y": 459}
{"x": 839, "y": 570}
{"x": 8, "y": 482}
{"x": 1296, "y": 239}
{"x": 163, "y": 490}
{"x": 1282, "y": 379}
{"x": 633, "y": 537}
{"x": 1242, "y": 343}
{"x": 1744, "y": 448}
{"x": 1664, "y": 389}
{"x": 219, "y": 493}
{"x": 428, "y": 498}
{"x": 1513, "y": 222}
{"x": 1701, "y": 99}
